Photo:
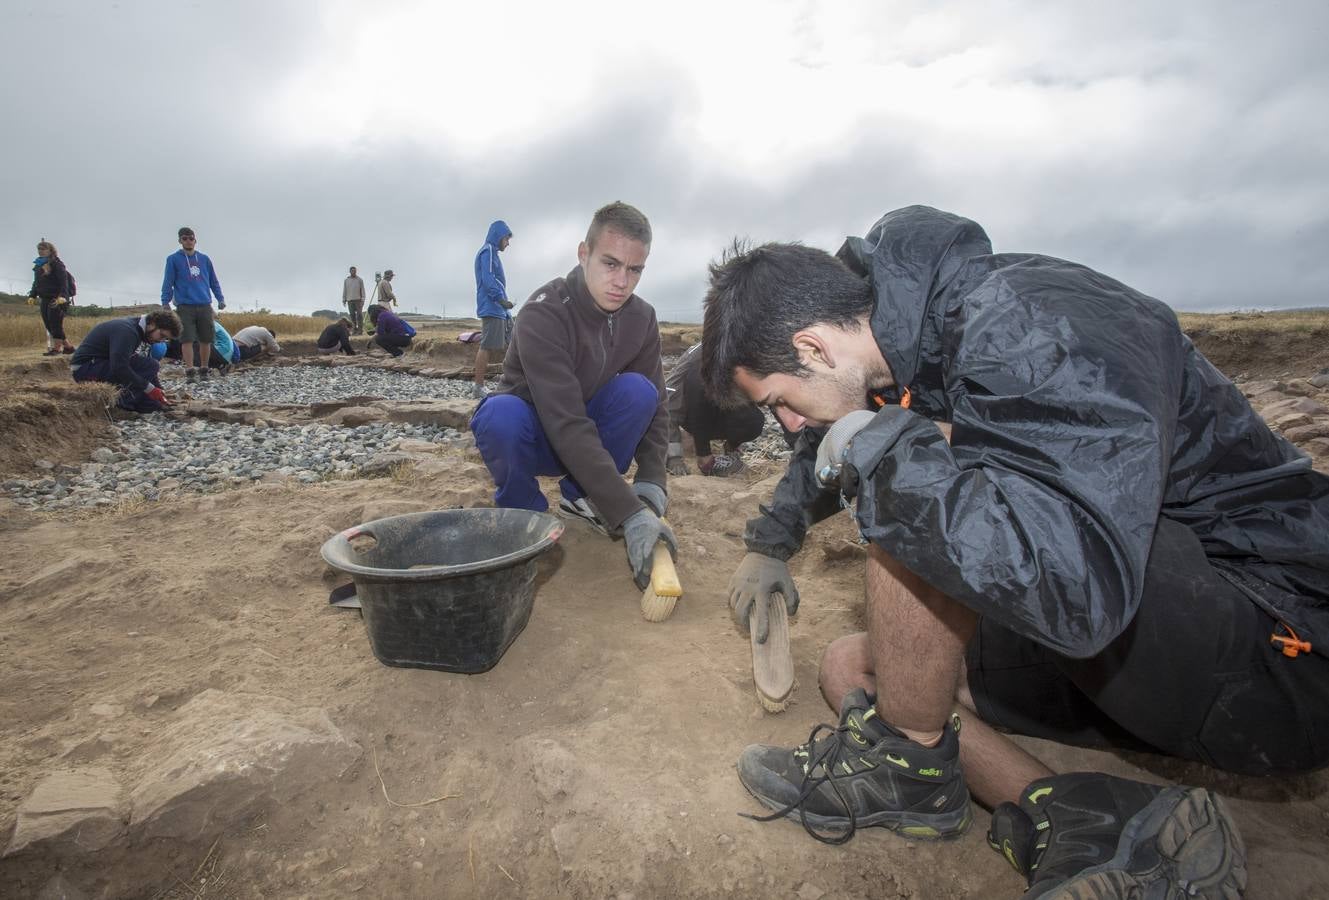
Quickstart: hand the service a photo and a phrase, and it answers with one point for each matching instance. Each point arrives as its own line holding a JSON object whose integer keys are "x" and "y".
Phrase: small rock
{"x": 103, "y": 455}
{"x": 69, "y": 813}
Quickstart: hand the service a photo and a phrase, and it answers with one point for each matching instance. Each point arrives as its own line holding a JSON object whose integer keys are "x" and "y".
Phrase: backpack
{"x": 71, "y": 288}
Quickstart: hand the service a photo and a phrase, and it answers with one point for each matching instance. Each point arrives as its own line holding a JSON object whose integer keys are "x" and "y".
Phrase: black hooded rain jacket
{"x": 1081, "y": 414}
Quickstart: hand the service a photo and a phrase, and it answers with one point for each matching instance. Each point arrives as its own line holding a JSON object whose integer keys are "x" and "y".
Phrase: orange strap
{"x": 906, "y": 398}
{"x": 1289, "y": 643}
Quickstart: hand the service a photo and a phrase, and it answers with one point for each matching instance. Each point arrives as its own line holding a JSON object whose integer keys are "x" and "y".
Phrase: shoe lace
{"x": 827, "y": 758}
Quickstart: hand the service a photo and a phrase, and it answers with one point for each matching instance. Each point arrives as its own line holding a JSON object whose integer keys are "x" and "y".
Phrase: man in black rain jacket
{"x": 1112, "y": 550}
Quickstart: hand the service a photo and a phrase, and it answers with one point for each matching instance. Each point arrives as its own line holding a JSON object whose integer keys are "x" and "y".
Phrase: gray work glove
{"x": 831, "y": 452}
{"x": 757, "y": 577}
{"x": 641, "y": 532}
{"x": 652, "y": 495}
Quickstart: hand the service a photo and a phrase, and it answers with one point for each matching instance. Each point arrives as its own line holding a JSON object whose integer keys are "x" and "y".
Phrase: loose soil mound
{"x": 50, "y": 420}
{"x": 596, "y": 759}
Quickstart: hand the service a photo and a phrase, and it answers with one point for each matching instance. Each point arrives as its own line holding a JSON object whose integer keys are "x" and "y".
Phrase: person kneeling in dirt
{"x": 582, "y": 395}
{"x": 337, "y": 336}
{"x": 109, "y": 354}
{"x": 254, "y": 341}
{"x": 691, "y": 411}
{"x": 1114, "y": 551}
{"x": 391, "y": 331}
{"x": 220, "y": 355}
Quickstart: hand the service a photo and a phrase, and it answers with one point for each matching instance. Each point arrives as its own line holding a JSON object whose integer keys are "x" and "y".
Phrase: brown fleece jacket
{"x": 564, "y": 349}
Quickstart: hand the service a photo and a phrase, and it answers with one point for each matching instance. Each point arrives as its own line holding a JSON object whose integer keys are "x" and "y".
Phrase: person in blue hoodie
{"x": 491, "y": 301}
{"x": 391, "y": 332}
{"x": 191, "y": 281}
{"x": 109, "y": 353}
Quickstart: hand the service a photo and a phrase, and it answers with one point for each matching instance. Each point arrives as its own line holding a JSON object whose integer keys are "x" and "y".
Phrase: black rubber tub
{"x": 449, "y": 589}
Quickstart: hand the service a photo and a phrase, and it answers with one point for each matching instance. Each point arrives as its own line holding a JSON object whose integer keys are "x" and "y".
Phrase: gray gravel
{"x": 312, "y": 384}
{"x": 157, "y": 456}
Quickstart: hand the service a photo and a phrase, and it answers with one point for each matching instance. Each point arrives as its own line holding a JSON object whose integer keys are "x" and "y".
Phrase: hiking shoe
{"x": 191, "y": 375}
{"x": 1086, "y": 834}
{"x": 723, "y": 465}
{"x": 862, "y": 773}
{"x": 202, "y": 374}
{"x": 581, "y": 509}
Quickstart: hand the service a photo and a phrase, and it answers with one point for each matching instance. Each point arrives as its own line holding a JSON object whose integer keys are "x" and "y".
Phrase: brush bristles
{"x": 655, "y": 608}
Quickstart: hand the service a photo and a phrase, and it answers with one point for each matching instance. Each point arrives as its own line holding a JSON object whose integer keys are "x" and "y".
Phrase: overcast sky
{"x": 1180, "y": 147}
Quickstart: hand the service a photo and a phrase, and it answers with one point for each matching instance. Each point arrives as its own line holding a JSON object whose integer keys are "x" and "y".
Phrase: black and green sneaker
{"x": 1087, "y": 835}
{"x": 862, "y": 773}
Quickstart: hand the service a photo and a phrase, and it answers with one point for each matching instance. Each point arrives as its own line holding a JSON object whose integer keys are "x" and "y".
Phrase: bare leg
{"x": 917, "y": 636}
{"x": 996, "y": 769}
{"x": 481, "y": 366}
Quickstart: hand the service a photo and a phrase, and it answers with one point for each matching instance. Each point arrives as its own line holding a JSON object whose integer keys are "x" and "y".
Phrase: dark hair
{"x": 273, "y": 332}
{"x": 186, "y": 230}
{"x": 165, "y": 319}
{"x": 619, "y": 216}
{"x": 759, "y": 298}
{"x": 374, "y": 312}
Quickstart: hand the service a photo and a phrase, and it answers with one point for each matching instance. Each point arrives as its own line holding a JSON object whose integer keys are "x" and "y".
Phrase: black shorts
{"x": 495, "y": 333}
{"x": 1193, "y": 676}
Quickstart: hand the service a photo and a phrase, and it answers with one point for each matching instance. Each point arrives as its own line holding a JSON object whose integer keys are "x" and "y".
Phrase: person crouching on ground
{"x": 253, "y": 342}
{"x": 391, "y": 332}
{"x": 50, "y": 287}
{"x": 337, "y": 336}
{"x": 704, "y": 421}
{"x": 582, "y": 395}
{"x": 109, "y": 354}
{"x": 1114, "y": 550}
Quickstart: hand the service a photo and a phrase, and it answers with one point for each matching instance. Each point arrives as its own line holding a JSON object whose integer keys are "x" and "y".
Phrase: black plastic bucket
{"x": 449, "y": 589}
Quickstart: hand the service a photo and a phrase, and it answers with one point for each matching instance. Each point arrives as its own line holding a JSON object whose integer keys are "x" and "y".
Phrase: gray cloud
{"x": 156, "y": 117}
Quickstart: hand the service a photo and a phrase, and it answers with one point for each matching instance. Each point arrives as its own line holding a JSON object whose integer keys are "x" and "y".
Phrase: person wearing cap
{"x": 582, "y": 395}
{"x": 353, "y": 298}
{"x": 387, "y": 298}
{"x": 191, "y": 282}
{"x": 109, "y": 353}
{"x": 491, "y": 302}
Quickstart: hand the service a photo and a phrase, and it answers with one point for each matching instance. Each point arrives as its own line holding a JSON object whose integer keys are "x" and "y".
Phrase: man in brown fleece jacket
{"x": 582, "y": 394}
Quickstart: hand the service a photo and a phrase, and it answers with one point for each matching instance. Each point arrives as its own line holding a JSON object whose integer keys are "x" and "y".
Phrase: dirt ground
{"x": 596, "y": 759}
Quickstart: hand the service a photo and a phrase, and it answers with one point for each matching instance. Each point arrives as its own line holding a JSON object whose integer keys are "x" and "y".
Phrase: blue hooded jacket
{"x": 187, "y": 289}
{"x": 491, "y": 288}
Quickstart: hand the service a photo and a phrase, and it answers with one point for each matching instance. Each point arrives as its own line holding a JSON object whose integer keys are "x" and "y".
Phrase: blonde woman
{"x": 50, "y": 286}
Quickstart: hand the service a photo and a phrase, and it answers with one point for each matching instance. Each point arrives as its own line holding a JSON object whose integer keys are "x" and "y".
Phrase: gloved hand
{"x": 830, "y": 454}
{"x": 221, "y": 304}
{"x": 506, "y": 304}
{"x": 641, "y": 532}
{"x": 156, "y": 393}
{"x": 61, "y": 301}
{"x": 32, "y": 301}
{"x": 652, "y": 495}
{"x": 757, "y": 577}
{"x": 675, "y": 465}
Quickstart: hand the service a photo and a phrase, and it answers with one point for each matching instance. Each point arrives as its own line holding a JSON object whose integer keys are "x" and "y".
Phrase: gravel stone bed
{"x": 157, "y": 455}
{"x": 264, "y": 385}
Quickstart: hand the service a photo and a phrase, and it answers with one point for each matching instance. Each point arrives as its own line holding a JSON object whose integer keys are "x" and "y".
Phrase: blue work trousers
{"x": 515, "y": 448}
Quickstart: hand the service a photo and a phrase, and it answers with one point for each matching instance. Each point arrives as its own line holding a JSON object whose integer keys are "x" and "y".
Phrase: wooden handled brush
{"x": 773, "y": 662}
{"x": 657, "y": 601}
